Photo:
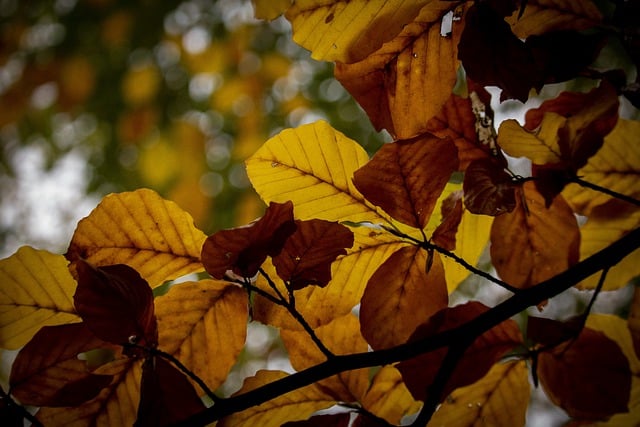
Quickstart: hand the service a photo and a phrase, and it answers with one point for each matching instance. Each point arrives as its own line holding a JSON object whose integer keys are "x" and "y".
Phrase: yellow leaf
{"x": 296, "y": 405}
{"x": 388, "y": 397}
{"x": 348, "y": 31}
{"x": 615, "y": 166}
{"x": 341, "y": 336}
{"x": 37, "y": 290}
{"x": 500, "y": 398}
{"x": 542, "y": 16}
{"x": 204, "y": 325}
{"x": 269, "y": 9}
{"x": 540, "y": 146}
{"x": 409, "y": 79}
{"x": 142, "y": 230}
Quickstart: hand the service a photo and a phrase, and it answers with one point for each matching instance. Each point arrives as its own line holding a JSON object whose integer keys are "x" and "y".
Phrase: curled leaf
{"x": 488, "y": 188}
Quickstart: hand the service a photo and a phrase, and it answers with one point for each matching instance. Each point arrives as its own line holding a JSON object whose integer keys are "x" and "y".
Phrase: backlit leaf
{"x": 488, "y": 188}
{"x": 568, "y": 376}
{"x": 243, "y": 250}
{"x": 418, "y": 64}
{"x": 486, "y": 350}
{"x": 308, "y": 253}
{"x": 116, "y": 304}
{"x": 388, "y": 397}
{"x": 534, "y": 243}
{"x": 540, "y": 146}
{"x": 348, "y": 31}
{"x": 451, "y": 210}
{"x": 499, "y": 399}
{"x": 293, "y": 406}
{"x": 142, "y": 230}
{"x": 406, "y": 178}
{"x": 37, "y": 290}
{"x": 204, "y": 325}
{"x": 402, "y": 294}
{"x": 46, "y": 368}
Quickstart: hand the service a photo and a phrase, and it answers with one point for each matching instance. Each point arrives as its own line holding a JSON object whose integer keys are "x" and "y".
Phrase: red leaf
{"x": 588, "y": 377}
{"x": 418, "y": 373}
{"x": 308, "y": 253}
{"x": 243, "y": 250}
{"x": 406, "y": 177}
{"x": 488, "y": 188}
{"x": 166, "y": 395}
{"x": 116, "y": 304}
{"x": 47, "y": 371}
{"x": 445, "y": 234}
{"x": 550, "y": 332}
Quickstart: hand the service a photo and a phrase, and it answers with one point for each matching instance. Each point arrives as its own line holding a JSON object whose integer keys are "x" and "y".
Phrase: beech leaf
{"x": 402, "y": 294}
{"x": 388, "y": 397}
{"x": 243, "y": 250}
{"x": 406, "y": 178}
{"x": 142, "y": 230}
{"x": 308, "y": 253}
{"x": 116, "y": 304}
{"x": 445, "y": 234}
{"x": 37, "y": 290}
{"x": 329, "y": 420}
{"x": 488, "y": 188}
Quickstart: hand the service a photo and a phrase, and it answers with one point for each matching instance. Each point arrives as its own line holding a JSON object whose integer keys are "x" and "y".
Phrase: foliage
{"x": 355, "y": 259}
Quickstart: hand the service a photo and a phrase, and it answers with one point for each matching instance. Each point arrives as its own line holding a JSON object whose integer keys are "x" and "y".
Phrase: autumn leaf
{"x": 419, "y": 63}
{"x": 499, "y": 399}
{"x": 602, "y": 392}
{"x": 475, "y": 362}
{"x": 269, "y": 9}
{"x": 329, "y": 420}
{"x": 294, "y": 406}
{"x": 116, "y": 304}
{"x": 142, "y": 230}
{"x": 37, "y": 290}
{"x": 388, "y": 397}
{"x": 488, "y": 188}
{"x": 201, "y": 322}
{"x": 166, "y": 395}
{"x": 534, "y": 243}
{"x": 402, "y": 294}
{"x": 243, "y": 250}
{"x": 406, "y": 178}
{"x": 633, "y": 322}
{"x": 348, "y": 31}
{"x": 48, "y": 372}
{"x": 308, "y": 253}
{"x": 451, "y": 210}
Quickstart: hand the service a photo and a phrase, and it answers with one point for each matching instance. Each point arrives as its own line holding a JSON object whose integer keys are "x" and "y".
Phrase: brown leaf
{"x": 534, "y": 243}
{"x": 166, "y": 395}
{"x": 405, "y": 178}
{"x": 116, "y": 304}
{"x": 329, "y": 420}
{"x": 445, "y": 234}
{"x": 486, "y": 350}
{"x": 488, "y": 188}
{"x": 542, "y": 16}
{"x": 244, "y": 249}
{"x": 588, "y": 377}
{"x": 308, "y": 253}
{"x": 402, "y": 294}
{"x": 47, "y": 371}
{"x": 550, "y": 332}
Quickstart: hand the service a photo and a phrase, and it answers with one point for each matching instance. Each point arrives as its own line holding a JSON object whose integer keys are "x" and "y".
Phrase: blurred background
{"x": 100, "y": 96}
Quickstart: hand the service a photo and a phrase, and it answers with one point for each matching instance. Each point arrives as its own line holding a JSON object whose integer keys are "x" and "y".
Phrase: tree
{"x": 102, "y": 342}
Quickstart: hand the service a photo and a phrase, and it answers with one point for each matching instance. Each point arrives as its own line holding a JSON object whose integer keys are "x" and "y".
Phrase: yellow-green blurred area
{"x": 100, "y": 96}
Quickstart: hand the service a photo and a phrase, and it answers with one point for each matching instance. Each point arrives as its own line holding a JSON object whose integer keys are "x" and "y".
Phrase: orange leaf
{"x": 534, "y": 243}
{"x": 402, "y": 294}
{"x": 588, "y": 377}
{"x": 445, "y": 234}
{"x": 406, "y": 178}
{"x": 388, "y": 397}
{"x": 407, "y": 81}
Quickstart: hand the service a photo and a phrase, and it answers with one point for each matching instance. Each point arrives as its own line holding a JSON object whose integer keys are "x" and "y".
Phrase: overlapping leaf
{"x": 348, "y": 31}
{"x": 499, "y": 399}
{"x": 406, "y": 178}
{"x": 204, "y": 325}
{"x": 37, "y": 290}
{"x": 142, "y": 230}
{"x": 445, "y": 234}
{"x": 418, "y": 64}
{"x": 534, "y": 243}
{"x": 293, "y": 406}
{"x": 402, "y": 294}
{"x": 388, "y": 397}
{"x": 488, "y": 188}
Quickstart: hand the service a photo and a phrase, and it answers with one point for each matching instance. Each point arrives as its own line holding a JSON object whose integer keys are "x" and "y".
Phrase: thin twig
{"x": 604, "y": 190}
{"x": 23, "y": 411}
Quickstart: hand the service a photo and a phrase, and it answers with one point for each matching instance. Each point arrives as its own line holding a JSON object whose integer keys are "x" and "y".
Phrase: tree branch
{"x": 603, "y": 259}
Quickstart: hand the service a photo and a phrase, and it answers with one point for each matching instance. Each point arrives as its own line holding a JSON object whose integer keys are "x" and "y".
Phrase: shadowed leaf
{"x": 402, "y": 294}
{"x": 488, "y": 188}
{"x": 388, "y": 397}
{"x": 542, "y": 16}
{"x": 633, "y": 323}
{"x": 330, "y": 420}
{"x": 37, "y": 290}
{"x": 452, "y": 209}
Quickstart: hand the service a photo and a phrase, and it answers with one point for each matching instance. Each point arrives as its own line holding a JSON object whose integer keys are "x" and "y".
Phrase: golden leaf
{"x": 500, "y": 398}
{"x": 142, "y": 230}
{"x": 388, "y": 397}
{"x": 293, "y": 406}
{"x": 37, "y": 290}
{"x": 348, "y": 31}
{"x": 204, "y": 325}
{"x": 540, "y": 146}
